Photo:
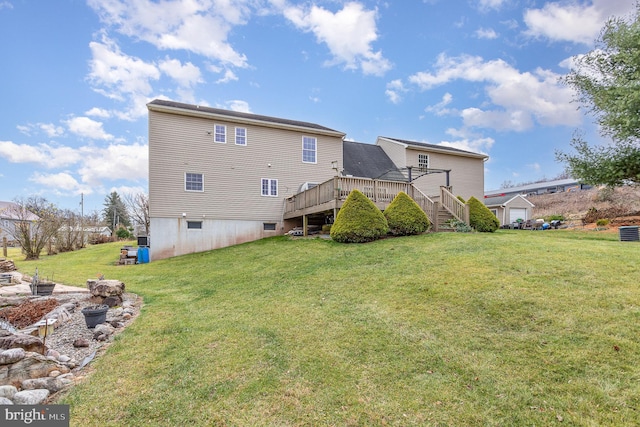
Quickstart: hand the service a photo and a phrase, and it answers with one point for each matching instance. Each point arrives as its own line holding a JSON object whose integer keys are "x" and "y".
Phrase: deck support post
{"x": 305, "y": 226}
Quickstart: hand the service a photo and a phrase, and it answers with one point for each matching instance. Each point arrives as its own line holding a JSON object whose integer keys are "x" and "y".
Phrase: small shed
{"x": 509, "y": 208}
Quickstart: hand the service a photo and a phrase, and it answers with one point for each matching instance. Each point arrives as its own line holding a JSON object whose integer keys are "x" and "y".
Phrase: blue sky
{"x": 478, "y": 75}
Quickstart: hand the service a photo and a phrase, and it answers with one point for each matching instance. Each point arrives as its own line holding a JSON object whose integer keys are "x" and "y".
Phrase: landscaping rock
{"x": 105, "y": 288}
{"x": 5, "y": 401}
{"x": 27, "y": 342}
{"x": 31, "y": 397}
{"x": 81, "y": 343}
{"x": 7, "y": 391}
{"x": 51, "y": 384}
{"x": 12, "y": 355}
{"x": 32, "y": 366}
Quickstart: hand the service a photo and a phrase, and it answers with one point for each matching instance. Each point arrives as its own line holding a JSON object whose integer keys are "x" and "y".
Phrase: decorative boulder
{"x": 27, "y": 342}
{"x": 30, "y": 397}
{"x": 105, "y": 288}
{"x": 12, "y": 355}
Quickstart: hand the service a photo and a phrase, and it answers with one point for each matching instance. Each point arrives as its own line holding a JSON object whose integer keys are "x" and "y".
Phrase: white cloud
{"x": 395, "y": 89}
{"x": 519, "y": 98}
{"x": 491, "y": 4}
{"x": 118, "y": 72}
{"x": 92, "y": 165}
{"x": 51, "y": 130}
{"x": 239, "y": 106}
{"x": 186, "y": 75}
{"x": 573, "y": 21}
{"x": 98, "y": 112}
{"x": 44, "y": 155}
{"x": 5, "y": 5}
{"x": 229, "y": 76}
{"x": 348, "y": 33}
{"x": 114, "y": 162}
{"x": 486, "y": 33}
{"x": 475, "y": 145}
{"x": 87, "y": 128}
{"x": 439, "y": 108}
{"x": 198, "y": 26}
{"x": 60, "y": 183}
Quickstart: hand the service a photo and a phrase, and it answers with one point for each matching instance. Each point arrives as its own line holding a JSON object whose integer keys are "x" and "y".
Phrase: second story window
{"x": 220, "y": 134}
{"x": 241, "y": 136}
{"x": 423, "y": 161}
{"x": 193, "y": 182}
{"x": 309, "y": 149}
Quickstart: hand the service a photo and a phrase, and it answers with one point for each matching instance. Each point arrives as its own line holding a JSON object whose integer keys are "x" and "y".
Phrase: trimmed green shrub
{"x": 405, "y": 217}
{"x": 480, "y": 217}
{"x": 358, "y": 221}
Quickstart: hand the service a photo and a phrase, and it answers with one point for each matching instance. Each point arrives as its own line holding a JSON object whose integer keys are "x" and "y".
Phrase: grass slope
{"x": 508, "y": 328}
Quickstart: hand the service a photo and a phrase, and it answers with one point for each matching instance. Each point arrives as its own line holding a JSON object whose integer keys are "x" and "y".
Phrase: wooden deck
{"x": 330, "y": 196}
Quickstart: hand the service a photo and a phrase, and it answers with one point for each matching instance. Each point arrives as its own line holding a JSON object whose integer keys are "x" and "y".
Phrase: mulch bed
{"x": 28, "y": 312}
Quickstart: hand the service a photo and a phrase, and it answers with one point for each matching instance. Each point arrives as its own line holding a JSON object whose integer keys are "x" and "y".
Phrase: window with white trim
{"x": 309, "y": 149}
{"x": 220, "y": 134}
{"x": 269, "y": 187}
{"x": 193, "y": 182}
{"x": 194, "y": 225}
{"x": 241, "y": 136}
{"x": 269, "y": 226}
{"x": 423, "y": 161}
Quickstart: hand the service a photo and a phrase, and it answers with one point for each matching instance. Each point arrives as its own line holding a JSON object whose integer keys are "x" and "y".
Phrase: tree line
{"x": 35, "y": 224}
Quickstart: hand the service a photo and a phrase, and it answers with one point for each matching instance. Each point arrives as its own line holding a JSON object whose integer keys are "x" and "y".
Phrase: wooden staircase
{"x": 442, "y": 218}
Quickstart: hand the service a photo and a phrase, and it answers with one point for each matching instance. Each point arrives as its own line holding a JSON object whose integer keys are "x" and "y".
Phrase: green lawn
{"x": 514, "y": 328}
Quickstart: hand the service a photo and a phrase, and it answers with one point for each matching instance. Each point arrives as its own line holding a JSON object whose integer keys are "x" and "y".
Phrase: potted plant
{"x": 95, "y": 314}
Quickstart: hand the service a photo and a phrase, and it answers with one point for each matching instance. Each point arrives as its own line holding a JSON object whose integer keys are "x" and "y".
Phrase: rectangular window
{"x": 269, "y": 226}
{"x": 220, "y": 134}
{"x": 269, "y": 187}
{"x": 193, "y": 182}
{"x": 241, "y": 136}
{"x": 309, "y": 149}
{"x": 494, "y": 212}
{"x": 194, "y": 225}
{"x": 423, "y": 161}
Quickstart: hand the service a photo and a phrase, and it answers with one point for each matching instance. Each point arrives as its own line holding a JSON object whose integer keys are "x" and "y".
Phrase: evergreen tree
{"x": 115, "y": 212}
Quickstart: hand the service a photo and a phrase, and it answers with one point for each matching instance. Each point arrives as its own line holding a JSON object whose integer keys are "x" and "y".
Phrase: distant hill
{"x": 621, "y": 206}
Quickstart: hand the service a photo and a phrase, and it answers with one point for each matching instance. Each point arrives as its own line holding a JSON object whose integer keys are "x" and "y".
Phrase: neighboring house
{"x": 555, "y": 186}
{"x": 219, "y": 178}
{"x": 509, "y": 208}
{"x": 9, "y": 216}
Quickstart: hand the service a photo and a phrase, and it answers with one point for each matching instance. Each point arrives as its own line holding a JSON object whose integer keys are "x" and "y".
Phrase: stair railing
{"x": 452, "y": 204}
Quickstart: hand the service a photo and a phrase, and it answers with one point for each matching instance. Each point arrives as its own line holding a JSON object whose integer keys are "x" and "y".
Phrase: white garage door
{"x": 515, "y": 213}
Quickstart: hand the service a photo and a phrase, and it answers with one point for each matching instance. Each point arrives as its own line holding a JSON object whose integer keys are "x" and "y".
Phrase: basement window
{"x": 194, "y": 225}
{"x": 269, "y": 226}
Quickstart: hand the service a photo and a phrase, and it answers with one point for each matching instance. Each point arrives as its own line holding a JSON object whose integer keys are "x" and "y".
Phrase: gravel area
{"x": 63, "y": 337}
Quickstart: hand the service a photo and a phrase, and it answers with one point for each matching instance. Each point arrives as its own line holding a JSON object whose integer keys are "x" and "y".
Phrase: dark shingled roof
{"x": 434, "y": 146}
{"x": 239, "y": 115}
{"x": 501, "y": 200}
{"x": 369, "y": 161}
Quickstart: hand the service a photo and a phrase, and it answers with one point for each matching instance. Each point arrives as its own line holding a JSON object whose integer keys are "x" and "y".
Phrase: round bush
{"x": 480, "y": 217}
{"x": 405, "y": 217}
{"x": 358, "y": 221}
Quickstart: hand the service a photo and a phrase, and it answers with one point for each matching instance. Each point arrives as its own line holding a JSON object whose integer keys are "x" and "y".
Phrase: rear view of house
{"x": 219, "y": 178}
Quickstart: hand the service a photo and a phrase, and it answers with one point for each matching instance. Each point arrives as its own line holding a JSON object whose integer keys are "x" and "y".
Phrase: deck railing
{"x": 454, "y": 205}
{"x": 338, "y": 188}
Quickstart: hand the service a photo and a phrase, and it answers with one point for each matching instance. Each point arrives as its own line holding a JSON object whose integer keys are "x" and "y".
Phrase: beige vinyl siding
{"x": 396, "y": 151}
{"x": 232, "y": 173}
{"x": 466, "y": 176}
